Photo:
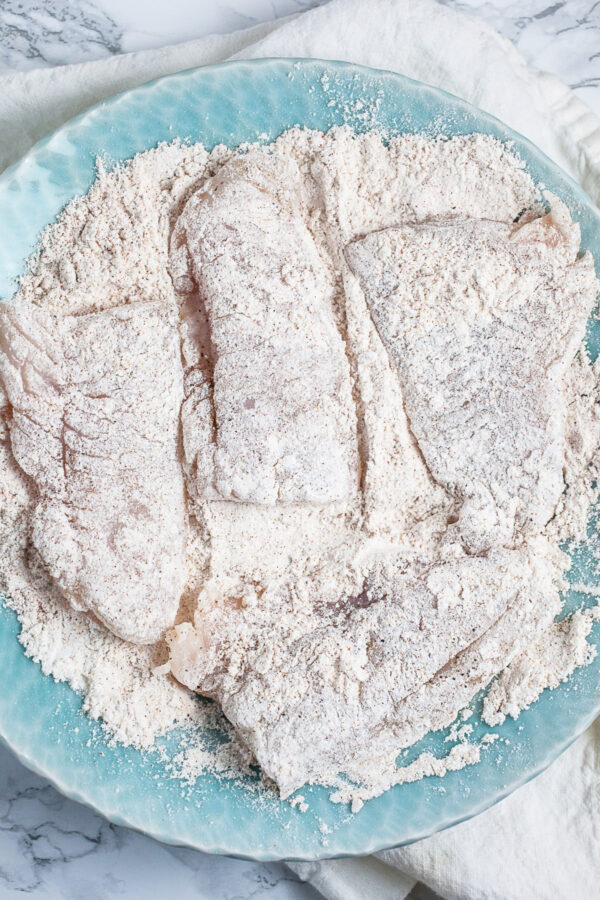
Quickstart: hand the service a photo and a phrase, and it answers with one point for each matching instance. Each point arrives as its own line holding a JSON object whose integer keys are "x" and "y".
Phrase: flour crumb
{"x": 458, "y": 732}
{"x": 298, "y": 802}
{"x": 561, "y": 649}
{"x": 425, "y": 766}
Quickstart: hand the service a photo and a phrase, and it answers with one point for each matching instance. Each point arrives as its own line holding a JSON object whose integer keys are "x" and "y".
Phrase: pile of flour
{"x": 111, "y": 248}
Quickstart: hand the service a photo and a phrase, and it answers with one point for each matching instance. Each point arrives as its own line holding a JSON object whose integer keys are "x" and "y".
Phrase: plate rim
{"x": 488, "y": 119}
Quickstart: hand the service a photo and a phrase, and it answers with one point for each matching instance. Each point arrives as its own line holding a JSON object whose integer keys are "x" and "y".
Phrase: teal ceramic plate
{"x": 41, "y": 720}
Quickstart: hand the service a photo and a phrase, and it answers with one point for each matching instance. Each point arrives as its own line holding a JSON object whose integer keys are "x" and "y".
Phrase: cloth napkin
{"x": 543, "y": 842}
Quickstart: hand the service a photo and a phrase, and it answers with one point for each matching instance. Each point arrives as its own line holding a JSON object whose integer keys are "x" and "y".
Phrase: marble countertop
{"x": 51, "y": 846}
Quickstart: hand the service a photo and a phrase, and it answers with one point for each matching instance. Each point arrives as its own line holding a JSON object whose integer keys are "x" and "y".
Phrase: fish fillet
{"x": 481, "y": 320}
{"x": 269, "y": 375}
{"x": 314, "y": 690}
{"x": 95, "y": 403}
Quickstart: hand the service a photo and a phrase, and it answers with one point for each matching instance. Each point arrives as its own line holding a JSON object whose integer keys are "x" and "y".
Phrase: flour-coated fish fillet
{"x": 481, "y": 320}
{"x": 95, "y": 403}
{"x": 314, "y": 690}
{"x": 267, "y": 370}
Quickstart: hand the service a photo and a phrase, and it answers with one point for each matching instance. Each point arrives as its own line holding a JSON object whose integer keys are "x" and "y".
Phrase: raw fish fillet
{"x": 481, "y": 320}
{"x": 95, "y": 405}
{"x": 314, "y": 690}
{"x": 269, "y": 374}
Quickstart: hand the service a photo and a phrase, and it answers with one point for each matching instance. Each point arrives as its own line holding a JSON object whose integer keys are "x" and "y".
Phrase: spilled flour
{"x": 558, "y": 652}
{"x": 342, "y": 601}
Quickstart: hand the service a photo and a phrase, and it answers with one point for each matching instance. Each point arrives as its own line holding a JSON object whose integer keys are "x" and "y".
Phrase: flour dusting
{"x": 559, "y": 651}
{"x": 338, "y": 604}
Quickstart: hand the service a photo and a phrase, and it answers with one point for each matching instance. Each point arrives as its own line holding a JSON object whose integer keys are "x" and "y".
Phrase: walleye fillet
{"x": 314, "y": 690}
{"x": 266, "y": 366}
{"x": 95, "y": 403}
{"x": 481, "y": 320}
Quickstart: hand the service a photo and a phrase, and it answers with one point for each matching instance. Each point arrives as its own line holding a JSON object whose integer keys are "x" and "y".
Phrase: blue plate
{"x": 42, "y": 720}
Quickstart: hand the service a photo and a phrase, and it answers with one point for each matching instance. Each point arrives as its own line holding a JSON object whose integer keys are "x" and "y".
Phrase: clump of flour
{"x": 424, "y": 766}
{"x": 111, "y": 248}
{"x": 559, "y": 651}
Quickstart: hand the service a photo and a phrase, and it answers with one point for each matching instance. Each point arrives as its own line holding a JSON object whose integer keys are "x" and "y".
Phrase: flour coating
{"x": 302, "y": 598}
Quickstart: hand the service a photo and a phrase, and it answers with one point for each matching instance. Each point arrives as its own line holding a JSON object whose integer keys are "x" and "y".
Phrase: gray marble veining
{"x": 562, "y": 37}
{"x": 54, "y": 847}
{"x": 52, "y": 33}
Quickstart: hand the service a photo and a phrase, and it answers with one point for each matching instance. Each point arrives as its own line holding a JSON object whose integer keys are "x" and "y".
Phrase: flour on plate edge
{"x": 112, "y": 247}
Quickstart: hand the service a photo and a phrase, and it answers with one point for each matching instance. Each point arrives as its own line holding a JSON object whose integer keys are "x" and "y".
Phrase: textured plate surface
{"x": 41, "y": 720}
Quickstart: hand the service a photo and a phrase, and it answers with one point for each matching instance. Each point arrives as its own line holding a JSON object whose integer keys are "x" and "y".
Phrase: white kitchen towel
{"x": 543, "y": 842}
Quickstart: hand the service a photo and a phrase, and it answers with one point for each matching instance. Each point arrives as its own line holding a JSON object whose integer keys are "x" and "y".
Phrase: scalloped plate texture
{"x": 42, "y": 720}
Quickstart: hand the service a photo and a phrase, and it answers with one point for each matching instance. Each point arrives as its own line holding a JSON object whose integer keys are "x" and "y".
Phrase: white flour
{"x": 558, "y": 652}
{"x": 112, "y": 247}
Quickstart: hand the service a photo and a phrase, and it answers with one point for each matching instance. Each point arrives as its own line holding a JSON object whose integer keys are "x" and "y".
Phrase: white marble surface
{"x": 53, "y": 847}
{"x": 50, "y": 846}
